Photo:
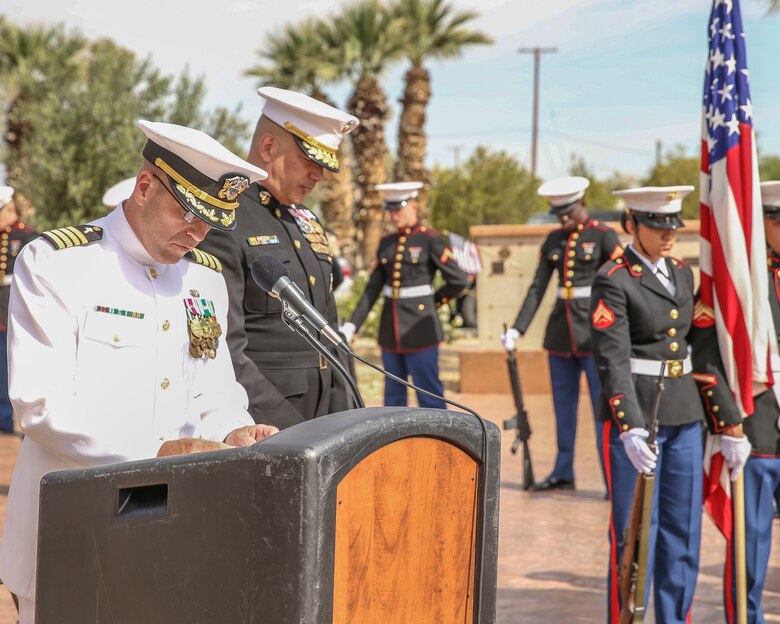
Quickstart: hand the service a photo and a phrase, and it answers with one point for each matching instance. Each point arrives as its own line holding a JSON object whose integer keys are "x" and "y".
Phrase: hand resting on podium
{"x": 243, "y": 436}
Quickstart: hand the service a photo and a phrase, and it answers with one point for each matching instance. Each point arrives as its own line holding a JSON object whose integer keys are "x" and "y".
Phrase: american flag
{"x": 734, "y": 286}
{"x": 466, "y": 254}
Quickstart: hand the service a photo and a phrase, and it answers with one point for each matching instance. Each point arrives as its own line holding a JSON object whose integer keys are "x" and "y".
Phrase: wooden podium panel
{"x": 405, "y": 532}
{"x": 372, "y": 515}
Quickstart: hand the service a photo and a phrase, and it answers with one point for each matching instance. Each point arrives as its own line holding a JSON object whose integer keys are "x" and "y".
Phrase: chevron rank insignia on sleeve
{"x": 603, "y": 316}
{"x": 73, "y": 236}
{"x": 703, "y": 315}
{"x": 204, "y": 258}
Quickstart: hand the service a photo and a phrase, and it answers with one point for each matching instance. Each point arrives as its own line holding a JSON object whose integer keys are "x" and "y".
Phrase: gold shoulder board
{"x": 206, "y": 259}
{"x": 73, "y": 236}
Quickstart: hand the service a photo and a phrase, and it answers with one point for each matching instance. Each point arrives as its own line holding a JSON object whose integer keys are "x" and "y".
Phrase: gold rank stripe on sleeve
{"x": 73, "y": 236}
{"x": 205, "y": 259}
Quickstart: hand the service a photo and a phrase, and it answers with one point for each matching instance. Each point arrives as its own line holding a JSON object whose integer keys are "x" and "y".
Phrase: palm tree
{"x": 432, "y": 30}
{"x": 298, "y": 58}
{"x": 370, "y": 39}
{"x": 26, "y": 55}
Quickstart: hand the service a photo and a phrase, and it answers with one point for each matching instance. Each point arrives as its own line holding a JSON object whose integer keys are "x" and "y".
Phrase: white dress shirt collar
{"x": 119, "y": 227}
{"x": 660, "y": 269}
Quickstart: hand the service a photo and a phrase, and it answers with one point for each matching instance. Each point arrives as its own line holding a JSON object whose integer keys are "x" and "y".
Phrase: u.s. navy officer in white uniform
{"x": 114, "y": 333}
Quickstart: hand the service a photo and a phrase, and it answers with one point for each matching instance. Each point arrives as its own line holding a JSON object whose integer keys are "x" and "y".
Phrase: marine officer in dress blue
{"x": 641, "y": 318}
{"x": 575, "y": 251}
{"x": 409, "y": 330}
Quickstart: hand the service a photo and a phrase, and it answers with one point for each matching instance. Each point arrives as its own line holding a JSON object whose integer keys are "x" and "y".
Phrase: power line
{"x": 612, "y": 146}
{"x": 564, "y": 135}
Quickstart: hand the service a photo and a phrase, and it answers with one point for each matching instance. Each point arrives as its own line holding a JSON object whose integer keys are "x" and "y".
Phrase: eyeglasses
{"x": 189, "y": 217}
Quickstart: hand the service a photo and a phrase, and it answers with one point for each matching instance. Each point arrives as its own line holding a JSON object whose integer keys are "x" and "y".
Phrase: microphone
{"x": 272, "y": 276}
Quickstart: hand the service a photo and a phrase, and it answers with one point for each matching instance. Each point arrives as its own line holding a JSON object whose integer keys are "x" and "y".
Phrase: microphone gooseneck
{"x": 300, "y": 315}
{"x": 271, "y": 275}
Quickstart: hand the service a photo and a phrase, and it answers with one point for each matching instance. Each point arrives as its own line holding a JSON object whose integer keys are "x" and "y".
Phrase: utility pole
{"x": 456, "y": 149}
{"x": 537, "y": 52}
{"x": 658, "y": 152}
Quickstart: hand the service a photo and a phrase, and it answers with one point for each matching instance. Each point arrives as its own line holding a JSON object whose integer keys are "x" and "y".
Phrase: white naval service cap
{"x": 119, "y": 192}
{"x": 770, "y": 199}
{"x": 563, "y": 193}
{"x": 205, "y": 176}
{"x": 398, "y": 194}
{"x": 317, "y": 127}
{"x": 6, "y": 195}
{"x": 656, "y": 206}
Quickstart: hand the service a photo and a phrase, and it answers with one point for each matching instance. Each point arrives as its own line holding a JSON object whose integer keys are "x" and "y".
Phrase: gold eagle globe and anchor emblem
{"x": 233, "y": 187}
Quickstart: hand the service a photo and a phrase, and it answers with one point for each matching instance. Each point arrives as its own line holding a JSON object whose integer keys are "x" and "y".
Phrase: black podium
{"x": 371, "y": 515}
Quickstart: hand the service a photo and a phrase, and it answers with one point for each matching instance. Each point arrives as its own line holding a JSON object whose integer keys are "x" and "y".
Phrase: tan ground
{"x": 553, "y": 547}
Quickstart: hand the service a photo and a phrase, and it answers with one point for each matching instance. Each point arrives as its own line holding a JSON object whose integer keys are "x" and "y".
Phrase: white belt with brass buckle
{"x": 573, "y": 292}
{"x": 673, "y": 368}
{"x": 407, "y": 292}
{"x": 6, "y": 280}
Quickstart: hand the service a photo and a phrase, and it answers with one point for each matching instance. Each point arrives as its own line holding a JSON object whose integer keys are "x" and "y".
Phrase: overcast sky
{"x": 626, "y": 73}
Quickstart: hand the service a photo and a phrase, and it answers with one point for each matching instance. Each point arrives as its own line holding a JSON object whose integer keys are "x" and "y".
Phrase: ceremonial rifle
{"x": 632, "y": 574}
{"x": 520, "y": 421}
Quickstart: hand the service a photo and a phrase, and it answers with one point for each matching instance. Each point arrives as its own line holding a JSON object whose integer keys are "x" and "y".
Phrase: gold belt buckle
{"x": 567, "y": 293}
{"x": 323, "y": 362}
{"x": 674, "y": 368}
{"x": 396, "y": 292}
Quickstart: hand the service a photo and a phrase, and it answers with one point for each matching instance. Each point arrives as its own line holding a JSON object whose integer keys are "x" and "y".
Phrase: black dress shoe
{"x": 551, "y": 483}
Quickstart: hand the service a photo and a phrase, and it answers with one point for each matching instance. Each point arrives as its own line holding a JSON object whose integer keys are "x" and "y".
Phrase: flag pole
{"x": 738, "y": 498}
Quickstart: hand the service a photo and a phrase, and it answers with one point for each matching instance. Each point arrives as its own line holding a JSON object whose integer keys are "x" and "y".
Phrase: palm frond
{"x": 372, "y": 38}
{"x": 434, "y": 29}
{"x": 298, "y": 57}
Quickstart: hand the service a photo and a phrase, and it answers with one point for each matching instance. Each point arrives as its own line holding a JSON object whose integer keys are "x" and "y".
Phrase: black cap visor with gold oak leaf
{"x": 213, "y": 201}
{"x": 316, "y": 151}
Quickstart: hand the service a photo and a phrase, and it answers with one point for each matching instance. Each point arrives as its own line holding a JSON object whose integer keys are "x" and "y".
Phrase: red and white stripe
{"x": 734, "y": 286}
{"x": 733, "y": 266}
{"x": 466, "y": 254}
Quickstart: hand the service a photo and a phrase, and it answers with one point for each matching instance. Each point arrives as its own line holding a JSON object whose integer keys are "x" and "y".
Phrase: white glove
{"x": 736, "y": 452}
{"x": 642, "y": 458}
{"x": 348, "y": 330}
{"x": 509, "y": 338}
